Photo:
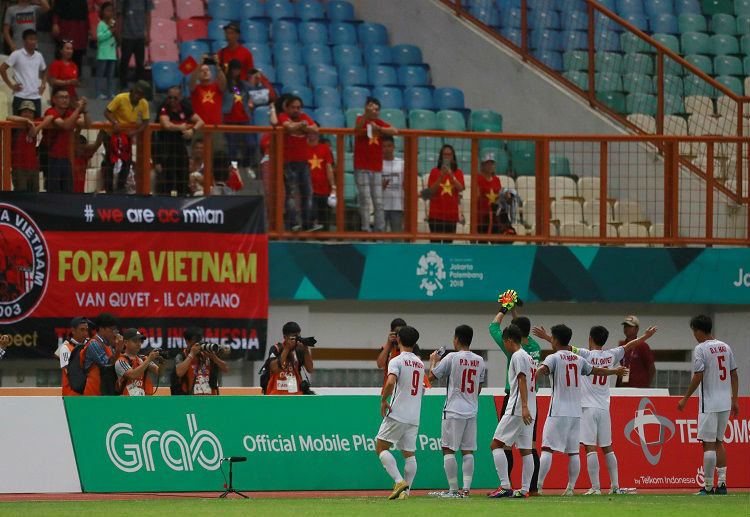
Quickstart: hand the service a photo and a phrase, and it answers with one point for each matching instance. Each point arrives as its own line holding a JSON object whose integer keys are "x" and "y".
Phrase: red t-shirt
{"x": 489, "y": 190}
{"x": 23, "y": 153}
{"x": 639, "y": 359}
{"x": 60, "y": 70}
{"x": 444, "y": 202}
{"x": 320, "y": 156}
{"x": 242, "y": 55}
{"x": 368, "y": 152}
{"x": 59, "y": 139}
{"x": 206, "y": 102}
{"x": 295, "y": 146}
{"x": 237, "y": 115}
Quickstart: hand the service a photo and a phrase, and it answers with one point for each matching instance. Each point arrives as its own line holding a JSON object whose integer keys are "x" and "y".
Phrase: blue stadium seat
{"x": 342, "y": 33}
{"x": 377, "y": 54}
{"x": 687, "y": 6}
{"x": 355, "y": 96}
{"x": 165, "y": 75}
{"x": 317, "y": 54}
{"x": 277, "y": 9}
{"x": 510, "y": 18}
{"x": 550, "y": 58}
{"x": 608, "y": 41}
{"x": 448, "y": 99}
{"x": 217, "y": 45}
{"x": 323, "y": 75}
{"x": 223, "y": 9}
{"x": 251, "y": 9}
{"x": 544, "y": 19}
{"x": 512, "y": 35}
{"x": 418, "y": 98}
{"x": 261, "y": 52}
{"x": 266, "y": 69}
{"x": 574, "y": 40}
{"x": 411, "y": 75}
{"x": 637, "y": 20}
{"x": 193, "y": 48}
{"x": 608, "y": 4}
{"x": 605, "y": 23}
{"x": 329, "y": 116}
{"x": 664, "y": 23}
{"x": 303, "y": 92}
{"x": 372, "y": 34}
{"x": 313, "y": 32}
{"x": 284, "y": 31}
{"x": 389, "y": 97}
{"x": 569, "y": 5}
{"x": 539, "y": 4}
{"x": 262, "y": 116}
{"x": 382, "y": 75}
{"x": 216, "y": 29}
{"x": 346, "y": 55}
{"x": 406, "y": 54}
{"x": 327, "y": 97}
{"x": 654, "y": 8}
{"x": 629, "y": 6}
{"x": 339, "y": 11}
{"x": 254, "y": 31}
{"x": 574, "y": 20}
{"x": 309, "y": 10}
{"x": 353, "y": 75}
{"x": 292, "y": 74}
{"x": 286, "y": 53}
{"x": 546, "y": 39}
{"x": 486, "y": 15}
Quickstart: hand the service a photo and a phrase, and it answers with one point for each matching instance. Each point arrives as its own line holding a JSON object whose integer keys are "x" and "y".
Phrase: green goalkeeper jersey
{"x": 532, "y": 348}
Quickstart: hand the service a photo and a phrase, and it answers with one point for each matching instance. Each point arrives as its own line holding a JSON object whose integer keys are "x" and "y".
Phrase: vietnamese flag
{"x": 187, "y": 66}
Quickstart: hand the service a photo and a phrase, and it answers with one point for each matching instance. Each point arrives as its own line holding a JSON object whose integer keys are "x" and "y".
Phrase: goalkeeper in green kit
{"x": 509, "y": 301}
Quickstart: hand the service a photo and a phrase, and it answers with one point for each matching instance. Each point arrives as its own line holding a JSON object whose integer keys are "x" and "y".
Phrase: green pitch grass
{"x": 477, "y": 506}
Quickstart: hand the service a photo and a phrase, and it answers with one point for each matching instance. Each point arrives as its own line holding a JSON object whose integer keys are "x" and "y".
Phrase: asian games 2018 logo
{"x": 24, "y": 264}
{"x": 432, "y": 271}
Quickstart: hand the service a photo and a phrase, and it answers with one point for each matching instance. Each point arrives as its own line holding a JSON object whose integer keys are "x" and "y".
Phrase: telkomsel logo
{"x": 24, "y": 264}
{"x": 651, "y": 430}
{"x": 432, "y": 271}
{"x": 131, "y": 455}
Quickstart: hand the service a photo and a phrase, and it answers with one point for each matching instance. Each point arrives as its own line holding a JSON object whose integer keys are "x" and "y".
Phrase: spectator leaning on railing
{"x": 323, "y": 181}
{"x": 20, "y": 17}
{"x": 30, "y": 71}
{"x": 445, "y": 183}
{"x": 62, "y": 121}
{"x": 24, "y": 160}
{"x": 237, "y": 107}
{"x": 489, "y": 191}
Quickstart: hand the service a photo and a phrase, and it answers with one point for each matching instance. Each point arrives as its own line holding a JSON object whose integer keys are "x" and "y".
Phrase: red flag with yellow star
{"x": 187, "y": 66}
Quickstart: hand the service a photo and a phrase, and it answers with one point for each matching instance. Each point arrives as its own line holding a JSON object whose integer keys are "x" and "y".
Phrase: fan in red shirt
{"x": 368, "y": 163}
{"x": 323, "y": 181}
{"x": 206, "y": 94}
{"x": 60, "y": 139}
{"x": 445, "y": 183}
{"x": 297, "y": 180}
{"x": 63, "y": 72}
{"x": 234, "y": 50}
{"x": 489, "y": 191}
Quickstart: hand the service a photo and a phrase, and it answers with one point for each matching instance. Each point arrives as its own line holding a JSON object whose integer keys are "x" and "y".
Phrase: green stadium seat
{"x": 724, "y": 44}
{"x": 574, "y": 60}
{"x": 486, "y": 120}
{"x": 724, "y": 24}
{"x": 641, "y": 103}
{"x": 694, "y": 85}
{"x": 637, "y": 83}
{"x": 745, "y": 45}
{"x": 672, "y": 67}
{"x": 608, "y": 62}
{"x": 613, "y": 100}
{"x": 702, "y": 63}
{"x": 673, "y": 104}
{"x": 727, "y": 65}
{"x": 730, "y": 82}
{"x": 691, "y": 22}
{"x": 394, "y": 117}
{"x": 450, "y": 120}
{"x": 742, "y": 7}
{"x": 426, "y": 161}
{"x": 716, "y": 6}
{"x": 350, "y": 191}
{"x": 672, "y": 85}
{"x": 746, "y": 65}
{"x": 422, "y": 119}
{"x": 638, "y": 63}
{"x": 632, "y": 43}
{"x": 608, "y": 82}
{"x": 668, "y": 40}
{"x": 743, "y": 24}
{"x": 696, "y": 43}
{"x": 523, "y": 162}
{"x": 521, "y": 146}
{"x": 558, "y": 165}
{"x": 502, "y": 161}
{"x": 580, "y": 79}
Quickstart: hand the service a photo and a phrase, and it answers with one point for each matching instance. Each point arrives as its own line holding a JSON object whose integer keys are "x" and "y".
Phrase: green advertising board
{"x": 155, "y": 444}
{"x": 445, "y": 272}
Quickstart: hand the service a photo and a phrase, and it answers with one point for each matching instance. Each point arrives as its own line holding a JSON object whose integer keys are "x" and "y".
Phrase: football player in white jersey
{"x": 516, "y": 426}
{"x": 401, "y": 415}
{"x": 596, "y": 424}
{"x": 716, "y": 372}
{"x": 562, "y": 429}
{"x": 466, "y": 372}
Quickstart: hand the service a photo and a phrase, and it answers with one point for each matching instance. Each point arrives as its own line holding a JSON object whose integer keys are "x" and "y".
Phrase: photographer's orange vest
{"x": 94, "y": 379}
{"x": 123, "y": 382}
{"x": 280, "y": 378}
{"x": 188, "y": 380}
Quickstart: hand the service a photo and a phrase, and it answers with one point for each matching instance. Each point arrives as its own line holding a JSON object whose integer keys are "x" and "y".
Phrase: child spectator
{"x": 489, "y": 192}
{"x": 84, "y": 151}
{"x": 20, "y": 17}
{"x": 24, "y": 162}
{"x": 393, "y": 186}
{"x": 63, "y": 72}
{"x": 237, "y": 108}
{"x": 30, "y": 71}
{"x": 323, "y": 181}
{"x": 106, "y": 52}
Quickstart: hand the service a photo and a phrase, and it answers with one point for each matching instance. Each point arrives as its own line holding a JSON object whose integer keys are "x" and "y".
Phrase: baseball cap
{"x": 27, "y": 105}
{"x": 631, "y": 321}
{"x": 488, "y": 157}
{"x": 232, "y": 26}
{"x": 78, "y": 320}
{"x": 132, "y": 334}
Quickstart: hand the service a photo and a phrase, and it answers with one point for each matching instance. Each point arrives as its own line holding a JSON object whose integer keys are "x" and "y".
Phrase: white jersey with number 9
{"x": 406, "y": 401}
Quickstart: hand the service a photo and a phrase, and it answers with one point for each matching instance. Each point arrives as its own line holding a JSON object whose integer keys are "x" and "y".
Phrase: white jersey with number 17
{"x": 566, "y": 369}
{"x": 596, "y": 387}
{"x": 406, "y": 401}
{"x": 716, "y": 360}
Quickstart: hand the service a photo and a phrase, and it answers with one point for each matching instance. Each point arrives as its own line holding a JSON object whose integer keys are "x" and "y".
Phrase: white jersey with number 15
{"x": 465, "y": 371}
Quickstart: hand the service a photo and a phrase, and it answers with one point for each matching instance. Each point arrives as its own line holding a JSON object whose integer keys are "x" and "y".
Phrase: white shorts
{"x": 459, "y": 434}
{"x": 596, "y": 427}
{"x": 403, "y": 436}
{"x": 512, "y": 431}
{"x": 562, "y": 434}
{"x": 712, "y": 426}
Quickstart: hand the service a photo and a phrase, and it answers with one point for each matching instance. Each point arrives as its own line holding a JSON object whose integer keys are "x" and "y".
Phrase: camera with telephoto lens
{"x": 209, "y": 347}
{"x": 307, "y": 341}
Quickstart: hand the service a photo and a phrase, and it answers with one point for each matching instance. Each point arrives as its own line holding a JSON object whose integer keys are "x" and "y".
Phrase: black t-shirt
{"x": 182, "y": 116}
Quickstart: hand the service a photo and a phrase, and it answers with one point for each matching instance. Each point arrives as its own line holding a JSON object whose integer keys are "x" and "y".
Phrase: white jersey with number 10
{"x": 406, "y": 401}
{"x": 596, "y": 387}
{"x": 566, "y": 370}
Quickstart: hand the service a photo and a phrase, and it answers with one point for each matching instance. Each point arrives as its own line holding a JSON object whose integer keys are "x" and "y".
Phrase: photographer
{"x": 198, "y": 373}
{"x": 286, "y": 360}
{"x": 100, "y": 354}
{"x": 4, "y": 343}
{"x": 132, "y": 368}
{"x": 391, "y": 350}
{"x": 79, "y": 333}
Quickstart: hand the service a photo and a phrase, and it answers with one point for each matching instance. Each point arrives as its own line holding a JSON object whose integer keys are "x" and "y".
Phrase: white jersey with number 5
{"x": 406, "y": 401}
{"x": 716, "y": 360}
{"x": 465, "y": 371}
{"x": 521, "y": 362}
{"x": 596, "y": 387}
{"x": 566, "y": 370}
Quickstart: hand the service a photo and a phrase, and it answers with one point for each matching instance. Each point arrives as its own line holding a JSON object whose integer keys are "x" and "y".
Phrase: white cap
{"x": 488, "y": 157}
{"x": 631, "y": 321}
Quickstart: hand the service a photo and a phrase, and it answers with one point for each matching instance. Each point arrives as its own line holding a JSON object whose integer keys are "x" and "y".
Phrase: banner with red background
{"x": 656, "y": 445}
{"x": 160, "y": 264}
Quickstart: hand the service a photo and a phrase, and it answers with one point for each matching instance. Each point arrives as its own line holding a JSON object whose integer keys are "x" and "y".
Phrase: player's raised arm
{"x": 507, "y": 301}
{"x": 541, "y": 333}
{"x": 619, "y": 371}
{"x": 390, "y": 383}
{"x": 640, "y": 339}
{"x": 434, "y": 361}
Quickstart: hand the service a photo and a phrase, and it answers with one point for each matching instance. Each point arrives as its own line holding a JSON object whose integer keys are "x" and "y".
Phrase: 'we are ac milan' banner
{"x": 159, "y": 263}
